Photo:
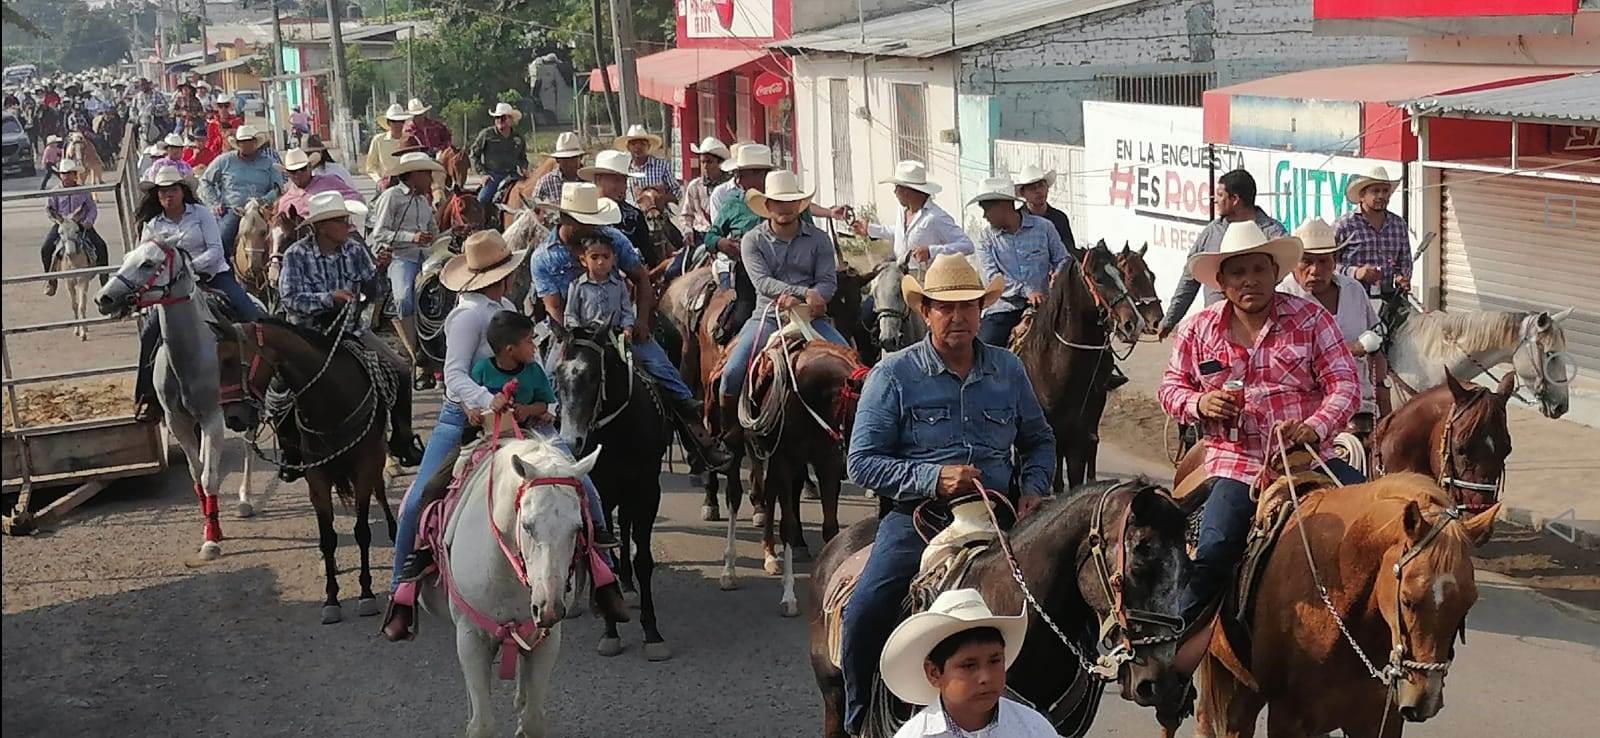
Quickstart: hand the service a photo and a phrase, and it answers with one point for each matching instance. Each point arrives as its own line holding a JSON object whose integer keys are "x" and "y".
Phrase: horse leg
{"x": 763, "y": 501}
{"x": 366, "y": 483}
{"x": 211, "y": 435}
{"x": 758, "y": 489}
{"x": 830, "y": 477}
{"x": 709, "y": 511}
{"x": 793, "y": 537}
{"x": 729, "y": 580}
{"x": 533, "y": 683}
{"x": 624, "y": 530}
{"x": 183, "y": 428}
{"x": 321, "y": 491}
{"x": 801, "y": 487}
{"x": 655, "y": 647}
{"x": 388, "y": 512}
{"x": 476, "y": 655}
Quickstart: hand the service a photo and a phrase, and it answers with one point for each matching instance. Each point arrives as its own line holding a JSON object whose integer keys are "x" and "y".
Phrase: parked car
{"x": 18, "y": 150}
{"x": 249, "y": 102}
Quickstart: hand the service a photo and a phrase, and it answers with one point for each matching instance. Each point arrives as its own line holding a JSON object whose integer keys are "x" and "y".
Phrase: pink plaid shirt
{"x": 1300, "y": 369}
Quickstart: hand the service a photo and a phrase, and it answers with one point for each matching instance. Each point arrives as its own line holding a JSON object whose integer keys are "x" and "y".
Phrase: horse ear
{"x": 1144, "y": 249}
{"x": 1508, "y": 384}
{"x": 1480, "y": 527}
{"x": 522, "y": 468}
{"x": 1151, "y": 506}
{"x": 1415, "y": 525}
{"x": 586, "y": 464}
{"x": 1558, "y": 317}
{"x": 1125, "y": 248}
{"x": 560, "y": 332}
{"x": 1457, "y": 390}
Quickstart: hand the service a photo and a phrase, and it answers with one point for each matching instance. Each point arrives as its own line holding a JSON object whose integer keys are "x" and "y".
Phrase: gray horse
{"x": 157, "y": 275}
{"x": 897, "y": 325}
{"x": 1467, "y": 344}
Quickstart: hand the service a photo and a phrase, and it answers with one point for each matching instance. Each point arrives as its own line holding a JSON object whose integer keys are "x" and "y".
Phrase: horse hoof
{"x": 657, "y": 651}
{"x": 772, "y": 566}
{"x": 366, "y": 607}
{"x": 246, "y": 510}
{"x": 209, "y": 551}
{"x": 710, "y": 513}
{"x": 331, "y": 614}
{"x": 789, "y": 609}
{"x": 728, "y": 583}
{"x": 609, "y": 646}
{"x": 758, "y": 519}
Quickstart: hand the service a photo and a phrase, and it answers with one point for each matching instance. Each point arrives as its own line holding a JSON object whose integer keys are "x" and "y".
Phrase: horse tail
{"x": 1218, "y": 688}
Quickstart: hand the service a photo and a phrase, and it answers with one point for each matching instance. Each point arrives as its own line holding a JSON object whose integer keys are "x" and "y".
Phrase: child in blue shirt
{"x": 599, "y": 298}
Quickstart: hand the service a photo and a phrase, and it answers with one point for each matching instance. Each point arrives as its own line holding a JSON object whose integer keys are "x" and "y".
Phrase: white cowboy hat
{"x": 950, "y": 278}
{"x": 637, "y": 132}
{"x": 68, "y": 165}
{"x": 413, "y": 161}
{"x": 1032, "y": 173}
{"x": 157, "y": 149}
{"x": 749, "y": 156}
{"x": 172, "y": 139}
{"x": 249, "y": 132}
{"x": 582, "y": 201}
{"x": 52, "y": 139}
{"x": 396, "y": 113}
{"x": 1317, "y": 237}
{"x": 713, "y": 146}
{"x": 484, "y": 260}
{"x": 567, "y": 146}
{"x": 608, "y": 162}
{"x": 901, "y": 663}
{"x": 329, "y": 205}
{"x": 783, "y": 186}
{"x": 913, "y": 174}
{"x": 294, "y": 160}
{"x": 502, "y": 109}
{"x": 1375, "y": 175}
{"x": 995, "y": 188}
{"x": 166, "y": 176}
{"x": 415, "y": 107}
{"x": 1245, "y": 238}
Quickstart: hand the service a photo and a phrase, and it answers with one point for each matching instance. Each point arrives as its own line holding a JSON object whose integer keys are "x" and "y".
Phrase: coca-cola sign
{"x": 769, "y": 88}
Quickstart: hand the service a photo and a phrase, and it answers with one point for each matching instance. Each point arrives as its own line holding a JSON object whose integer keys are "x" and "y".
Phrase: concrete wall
{"x": 812, "y": 15}
{"x": 1582, "y": 47}
{"x": 1040, "y": 76}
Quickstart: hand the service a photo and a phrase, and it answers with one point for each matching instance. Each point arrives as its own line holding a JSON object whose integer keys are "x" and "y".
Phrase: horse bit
{"x": 1122, "y": 619}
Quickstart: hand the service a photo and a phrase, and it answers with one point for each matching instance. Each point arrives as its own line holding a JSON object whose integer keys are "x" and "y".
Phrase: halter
{"x": 1121, "y": 618}
{"x": 141, "y": 292}
{"x": 1448, "y": 465}
{"x": 600, "y": 397}
{"x": 1127, "y": 278}
{"x": 1105, "y": 308}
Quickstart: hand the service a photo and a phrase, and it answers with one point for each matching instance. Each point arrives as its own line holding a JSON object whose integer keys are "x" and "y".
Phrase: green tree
{"x": 94, "y": 39}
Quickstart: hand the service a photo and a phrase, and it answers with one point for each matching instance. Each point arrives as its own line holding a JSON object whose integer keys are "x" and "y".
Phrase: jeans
{"x": 239, "y": 301}
{"x": 229, "y": 223}
{"x": 491, "y": 185}
{"x": 654, "y": 361}
{"x": 1224, "y": 525}
{"x": 402, "y": 284}
{"x": 755, "y": 332}
{"x": 995, "y": 328}
{"x": 100, "y": 251}
{"x": 874, "y": 609}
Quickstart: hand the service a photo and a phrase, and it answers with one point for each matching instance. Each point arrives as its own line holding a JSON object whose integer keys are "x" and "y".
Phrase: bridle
{"x": 1539, "y": 358}
{"x": 1106, "y": 308}
{"x": 1126, "y": 267}
{"x": 141, "y": 293}
{"x": 601, "y": 397}
{"x": 1449, "y": 463}
{"x": 1121, "y": 619}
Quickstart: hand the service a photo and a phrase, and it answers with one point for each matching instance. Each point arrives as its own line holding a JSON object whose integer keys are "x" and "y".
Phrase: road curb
{"x": 1537, "y": 521}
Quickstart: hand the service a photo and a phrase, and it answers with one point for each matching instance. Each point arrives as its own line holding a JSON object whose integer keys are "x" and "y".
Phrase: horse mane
{"x": 1403, "y": 487}
{"x": 538, "y": 452}
{"x": 1442, "y": 334}
{"x": 1055, "y": 308}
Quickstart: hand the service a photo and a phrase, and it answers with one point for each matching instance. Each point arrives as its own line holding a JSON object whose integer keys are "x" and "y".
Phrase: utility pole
{"x": 205, "y": 33}
{"x": 275, "y": 93}
{"x": 600, "y": 61}
{"x": 341, "y": 81}
{"x": 411, "y": 44}
{"x": 627, "y": 60}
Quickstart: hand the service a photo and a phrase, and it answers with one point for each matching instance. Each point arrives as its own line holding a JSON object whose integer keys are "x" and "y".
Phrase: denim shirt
{"x": 231, "y": 180}
{"x": 1024, "y": 260}
{"x": 915, "y": 416}
{"x": 606, "y": 304}
{"x": 778, "y": 267}
{"x": 554, "y": 267}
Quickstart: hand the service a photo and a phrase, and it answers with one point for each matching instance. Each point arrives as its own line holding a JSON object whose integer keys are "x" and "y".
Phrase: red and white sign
{"x": 1575, "y": 139}
{"x": 726, "y": 18}
{"x": 1371, "y": 9}
{"x": 769, "y": 88}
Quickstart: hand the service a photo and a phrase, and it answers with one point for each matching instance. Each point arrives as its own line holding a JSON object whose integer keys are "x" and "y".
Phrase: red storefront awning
{"x": 665, "y": 75}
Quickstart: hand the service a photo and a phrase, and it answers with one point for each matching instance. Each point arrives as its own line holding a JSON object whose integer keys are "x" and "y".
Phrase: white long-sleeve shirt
{"x": 466, "y": 341}
{"x": 931, "y": 227}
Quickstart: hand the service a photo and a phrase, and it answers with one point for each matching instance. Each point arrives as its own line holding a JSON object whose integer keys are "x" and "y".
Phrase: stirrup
{"x": 416, "y": 565}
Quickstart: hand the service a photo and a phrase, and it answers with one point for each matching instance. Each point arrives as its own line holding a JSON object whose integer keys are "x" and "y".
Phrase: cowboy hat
{"x": 995, "y": 188}
{"x": 749, "y": 156}
{"x": 913, "y": 174}
{"x": 1317, "y": 237}
{"x": 329, "y": 205}
{"x": 583, "y": 203}
{"x": 294, "y": 160}
{"x": 484, "y": 260}
{"x": 782, "y": 185}
{"x": 1245, "y": 238}
{"x": 415, "y": 107}
{"x": 637, "y": 131}
{"x": 396, "y": 113}
{"x": 954, "y": 611}
{"x": 172, "y": 139}
{"x": 248, "y": 132}
{"x": 950, "y": 278}
{"x": 713, "y": 146}
{"x": 1375, "y": 175}
{"x": 52, "y": 139}
{"x": 68, "y": 165}
{"x": 1034, "y": 173}
{"x": 501, "y": 110}
{"x": 608, "y": 162}
{"x": 167, "y": 176}
{"x": 567, "y": 146}
{"x": 408, "y": 145}
{"x": 413, "y": 161}
{"x": 157, "y": 149}
{"x": 312, "y": 143}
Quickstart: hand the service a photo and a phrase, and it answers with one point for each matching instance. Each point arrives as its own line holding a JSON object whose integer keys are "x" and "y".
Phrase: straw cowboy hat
{"x": 501, "y": 110}
{"x": 415, "y": 107}
{"x": 1375, "y": 175}
{"x": 954, "y": 611}
{"x": 582, "y": 201}
{"x": 749, "y": 156}
{"x": 484, "y": 260}
{"x": 294, "y": 160}
{"x": 326, "y": 206}
{"x": 713, "y": 146}
{"x": 608, "y": 162}
{"x": 783, "y": 186}
{"x": 995, "y": 188}
{"x": 408, "y": 145}
{"x": 413, "y": 161}
{"x": 52, "y": 139}
{"x": 950, "y": 278}
{"x": 1034, "y": 173}
{"x": 396, "y": 114}
{"x": 249, "y": 132}
{"x": 172, "y": 139}
{"x": 1317, "y": 237}
{"x": 637, "y": 132}
{"x": 68, "y": 165}
{"x": 913, "y": 174}
{"x": 567, "y": 146}
{"x": 1245, "y": 238}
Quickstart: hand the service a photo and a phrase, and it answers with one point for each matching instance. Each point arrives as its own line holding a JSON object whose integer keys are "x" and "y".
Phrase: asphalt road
{"x": 105, "y": 632}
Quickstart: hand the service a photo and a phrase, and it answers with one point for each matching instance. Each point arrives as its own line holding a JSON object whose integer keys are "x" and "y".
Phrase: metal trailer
{"x": 89, "y": 453}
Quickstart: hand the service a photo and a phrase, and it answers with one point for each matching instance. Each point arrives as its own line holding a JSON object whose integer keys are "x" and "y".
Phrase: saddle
{"x": 767, "y": 390}
{"x": 1021, "y": 331}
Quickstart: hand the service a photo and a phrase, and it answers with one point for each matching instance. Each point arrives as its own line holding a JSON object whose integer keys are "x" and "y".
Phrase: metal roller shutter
{"x": 1526, "y": 243}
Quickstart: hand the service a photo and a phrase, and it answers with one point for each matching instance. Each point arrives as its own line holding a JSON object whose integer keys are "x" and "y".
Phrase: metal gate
{"x": 1067, "y": 161}
{"x": 839, "y": 135}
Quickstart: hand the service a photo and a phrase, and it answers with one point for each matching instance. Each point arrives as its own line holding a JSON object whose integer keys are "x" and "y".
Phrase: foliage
{"x": 471, "y": 110}
{"x": 15, "y": 19}
{"x": 70, "y": 34}
{"x": 510, "y": 97}
{"x": 363, "y": 75}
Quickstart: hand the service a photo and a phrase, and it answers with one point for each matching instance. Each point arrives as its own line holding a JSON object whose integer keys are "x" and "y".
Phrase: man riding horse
{"x": 1295, "y": 378}
{"x": 498, "y": 153}
{"x": 1315, "y": 278}
{"x": 235, "y": 178}
{"x": 403, "y": 227}
{"x": 939, "y": 420}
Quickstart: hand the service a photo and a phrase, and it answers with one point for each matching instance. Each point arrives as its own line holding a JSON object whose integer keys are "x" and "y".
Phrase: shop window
{"x": 910, "y": 122}
{"x": 1159, "y": 89}
{"x": 741, "y": 109}
{"x": 707, "y": 110}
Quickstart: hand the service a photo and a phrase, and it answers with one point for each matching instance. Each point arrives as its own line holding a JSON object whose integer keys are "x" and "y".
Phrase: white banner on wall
{"x": 726, "y": 18}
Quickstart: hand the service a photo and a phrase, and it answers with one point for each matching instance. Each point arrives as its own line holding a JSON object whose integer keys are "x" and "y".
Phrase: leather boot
{"x": 397, "y": 622}
{"x": 602, "y": 538}
{"x": 407, "y": 452}
{"x": 608, "y": 600}
{"x": 728, "y": 417}
{"x": 416, "y": 564}
{"x": 709, "y": 448}
{"x": 1117, "y": 378}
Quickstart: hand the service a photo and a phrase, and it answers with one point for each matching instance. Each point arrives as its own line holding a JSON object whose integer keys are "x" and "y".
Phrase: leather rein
{"x": 1122, "y": 620}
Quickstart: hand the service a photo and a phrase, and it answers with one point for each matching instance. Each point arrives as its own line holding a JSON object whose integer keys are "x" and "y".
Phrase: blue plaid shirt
{"x": 1024, "y": 260}
{"x": 554, "y": 267}
{"x": 549, "y": 187}
{"x": 308, "y": 280}
{"x": 656, "y": 172}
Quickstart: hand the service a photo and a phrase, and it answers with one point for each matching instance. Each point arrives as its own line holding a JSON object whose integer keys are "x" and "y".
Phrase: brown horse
{"x": 1067, "y": 352}
{"x": 1454, "y": 433}
{"x": 1141, "y": 283}
{"x": 460, "y": 214}
{"x": 516, "y": 196}
{"x": 1073, "y": 552}
{"x": 1395, "y": 557}
{"x": 454, "y": 161}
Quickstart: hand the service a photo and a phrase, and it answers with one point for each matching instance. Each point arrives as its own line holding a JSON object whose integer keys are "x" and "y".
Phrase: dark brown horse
{"x": 1455, "y": 434}
{"x": 1067, "y": 352}
{"x": 1141, "y": 283}
{"x": 1140, "y": 531}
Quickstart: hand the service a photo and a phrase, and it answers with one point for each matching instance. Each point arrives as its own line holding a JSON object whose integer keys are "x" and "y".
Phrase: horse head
{"x": 1119, "y": 309}
{"x": 1141, "y": 282}
{"x": 547, "y": 499}
{"x": 527, "y": 229}
{"x": 845, "y": 307}
{"x": 461, "y": 213}
{"x": 591, "y": 382}
{"x": 152, "y": 273}
{"x": 69, "y": 235}
{"x": 897, "y": 326}
{"x": 1471, "y": 441}
{"x": 1542, "y": 362}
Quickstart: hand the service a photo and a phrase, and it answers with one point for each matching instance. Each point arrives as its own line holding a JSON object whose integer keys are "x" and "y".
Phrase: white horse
{"x": 1469, "y": 343}
{"x": 538, "y": 511}
{"x": 158, "y": 275}
{"x": 72, "y": 253}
